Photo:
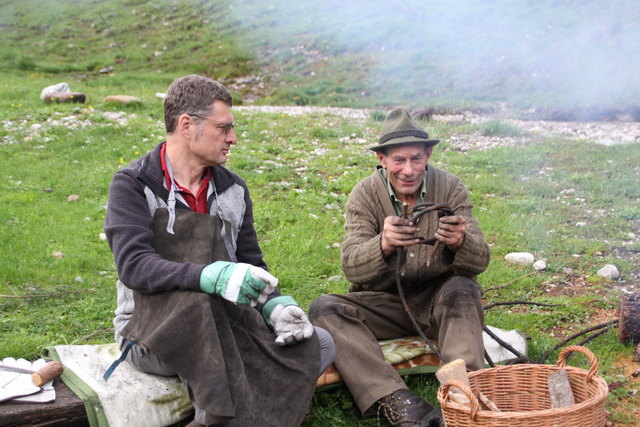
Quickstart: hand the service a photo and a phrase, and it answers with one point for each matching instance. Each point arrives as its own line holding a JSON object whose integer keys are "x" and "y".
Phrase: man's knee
{"x": 460, "y": 289}
{"x": 459, "y": 298}
{"x": 324, "y": 305}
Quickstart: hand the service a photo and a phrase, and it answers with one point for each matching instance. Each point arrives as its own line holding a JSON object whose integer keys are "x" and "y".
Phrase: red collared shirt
{"x": 197, "y": 203}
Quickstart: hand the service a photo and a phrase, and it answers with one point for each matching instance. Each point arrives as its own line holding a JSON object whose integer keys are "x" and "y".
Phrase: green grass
{"x": 300, "y": 171}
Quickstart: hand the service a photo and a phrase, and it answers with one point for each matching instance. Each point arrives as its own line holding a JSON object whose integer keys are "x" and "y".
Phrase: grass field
{"x": 574, "y": 203}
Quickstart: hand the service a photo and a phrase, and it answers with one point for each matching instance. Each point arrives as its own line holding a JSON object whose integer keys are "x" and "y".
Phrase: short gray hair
{"x": 192, "y": 94}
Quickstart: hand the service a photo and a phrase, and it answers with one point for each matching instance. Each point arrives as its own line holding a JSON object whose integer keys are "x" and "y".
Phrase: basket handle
{"x": 475, "y": 405}
{"x": 562, "y": 359}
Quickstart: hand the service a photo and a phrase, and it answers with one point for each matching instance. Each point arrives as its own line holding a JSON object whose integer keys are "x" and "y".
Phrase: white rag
{"x": 129, "y": 397}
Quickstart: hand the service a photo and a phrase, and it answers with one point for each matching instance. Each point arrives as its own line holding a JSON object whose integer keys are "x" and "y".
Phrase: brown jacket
{"x": 362, "y": 260}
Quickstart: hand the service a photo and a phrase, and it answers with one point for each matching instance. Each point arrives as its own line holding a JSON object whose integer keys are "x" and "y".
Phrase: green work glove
{"x": 287, "y": 319}
{"x": 239, "y": 283}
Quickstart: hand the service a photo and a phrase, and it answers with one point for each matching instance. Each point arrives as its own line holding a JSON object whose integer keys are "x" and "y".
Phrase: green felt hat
{"x": 399, "y": 128}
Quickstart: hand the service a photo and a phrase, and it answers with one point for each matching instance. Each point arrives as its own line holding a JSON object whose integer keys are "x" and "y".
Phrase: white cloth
{"x": 129, "y": 397}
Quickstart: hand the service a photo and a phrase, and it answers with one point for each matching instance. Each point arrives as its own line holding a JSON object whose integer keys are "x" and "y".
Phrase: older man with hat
{"x": 438, "y": 280}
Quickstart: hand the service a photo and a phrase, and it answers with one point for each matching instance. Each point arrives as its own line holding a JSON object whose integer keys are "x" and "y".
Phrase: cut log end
{"x": 630, "y": 318}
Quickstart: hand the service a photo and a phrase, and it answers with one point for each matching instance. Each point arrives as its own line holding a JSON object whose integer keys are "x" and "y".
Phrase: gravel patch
{"x": 605, "y": 133}
{"x": 353, "y": 113}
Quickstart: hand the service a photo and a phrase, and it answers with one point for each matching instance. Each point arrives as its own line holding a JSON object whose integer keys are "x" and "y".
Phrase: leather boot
{"x": 403, "y": 408}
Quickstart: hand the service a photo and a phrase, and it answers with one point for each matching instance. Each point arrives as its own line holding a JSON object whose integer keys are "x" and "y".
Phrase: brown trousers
{"x": 358, "y": 320}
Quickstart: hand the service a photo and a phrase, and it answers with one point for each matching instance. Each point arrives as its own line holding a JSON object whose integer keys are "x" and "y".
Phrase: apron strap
{"x": 115, "y": 364}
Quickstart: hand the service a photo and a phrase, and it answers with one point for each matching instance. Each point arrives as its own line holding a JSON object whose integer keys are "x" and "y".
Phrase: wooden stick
{"x": 495, "y": 304}
{"x": 48, "y": 372}
{"x": 562, "y": 343}
{"x": 487, "y": 402}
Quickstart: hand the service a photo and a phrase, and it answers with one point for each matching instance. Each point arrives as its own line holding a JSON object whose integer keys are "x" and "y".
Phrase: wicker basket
{"x": 521, "y": 392}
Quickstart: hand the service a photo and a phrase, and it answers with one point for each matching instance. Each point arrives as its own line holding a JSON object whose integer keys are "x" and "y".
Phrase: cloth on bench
{"x": 129, "y": 397}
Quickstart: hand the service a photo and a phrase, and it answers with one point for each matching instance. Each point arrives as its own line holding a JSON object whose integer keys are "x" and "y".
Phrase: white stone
{"x": 514, "y": 338}
{"x": 523, "y": 258}
{"x": 540, "y": 265}
{"x": 609, "y": 271}
{"x": 103, "y": 236}
{"x": 60, "y": 87}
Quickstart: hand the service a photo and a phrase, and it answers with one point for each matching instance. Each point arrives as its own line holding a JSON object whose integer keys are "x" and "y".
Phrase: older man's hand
{"x": 451, "y": 231}
{"x": 397, "y": 232}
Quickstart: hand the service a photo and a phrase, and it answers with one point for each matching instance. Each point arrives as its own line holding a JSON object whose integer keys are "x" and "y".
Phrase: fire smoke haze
{"x": 570, "y": 53}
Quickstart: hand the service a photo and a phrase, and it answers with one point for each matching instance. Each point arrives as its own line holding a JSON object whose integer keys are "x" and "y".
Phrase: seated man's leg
{"x": 327, "y": 349}
{"x": 356, "y": 322}
{"x": 458, "y": 317}
{"x": 147, "y": 362}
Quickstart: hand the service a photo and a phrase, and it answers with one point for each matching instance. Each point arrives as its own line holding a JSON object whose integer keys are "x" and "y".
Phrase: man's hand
{"x": 239, "y": 283}
{"x": 451, "y": 231}
{"x": 398, "y": 232}
{"x": 287, "y": 319}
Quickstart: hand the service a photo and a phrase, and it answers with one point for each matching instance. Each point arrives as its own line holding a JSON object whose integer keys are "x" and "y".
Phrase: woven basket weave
{"x": 521, "y": 392}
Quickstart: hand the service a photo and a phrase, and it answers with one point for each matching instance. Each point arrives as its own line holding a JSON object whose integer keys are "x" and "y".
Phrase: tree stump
{"x": 630, "y": 319}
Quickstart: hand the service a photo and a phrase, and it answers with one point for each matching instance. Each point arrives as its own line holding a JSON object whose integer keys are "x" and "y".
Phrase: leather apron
{"x": 225, "y": 353}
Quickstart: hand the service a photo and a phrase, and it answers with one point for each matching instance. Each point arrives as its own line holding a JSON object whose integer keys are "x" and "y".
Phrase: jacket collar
{"x": 149, "y": 171}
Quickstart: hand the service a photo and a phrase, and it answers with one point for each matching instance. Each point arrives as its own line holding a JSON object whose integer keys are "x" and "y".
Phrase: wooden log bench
{"x": 66, "y": 410}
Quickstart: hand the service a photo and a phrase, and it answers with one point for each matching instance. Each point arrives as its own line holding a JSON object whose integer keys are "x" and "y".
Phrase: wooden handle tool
{"x": 45, "y": 374}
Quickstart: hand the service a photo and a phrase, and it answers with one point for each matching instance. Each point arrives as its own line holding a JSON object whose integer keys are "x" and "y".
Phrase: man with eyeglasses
{"x": 195, "y": 298}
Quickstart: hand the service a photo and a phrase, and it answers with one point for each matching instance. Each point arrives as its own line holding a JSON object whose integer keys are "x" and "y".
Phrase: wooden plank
{"x": 560, "y": 389}
{"x": 66, "y": 410}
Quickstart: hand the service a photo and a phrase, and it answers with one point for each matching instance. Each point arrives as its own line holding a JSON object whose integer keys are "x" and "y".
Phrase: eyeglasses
{"x": 225, "y": 126}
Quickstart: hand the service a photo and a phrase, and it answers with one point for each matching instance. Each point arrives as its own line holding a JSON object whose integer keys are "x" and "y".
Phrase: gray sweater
{"x": 134, "y": 195}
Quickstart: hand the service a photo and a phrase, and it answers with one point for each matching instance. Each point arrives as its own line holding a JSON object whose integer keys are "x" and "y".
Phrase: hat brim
{"x": 404, "y": 141}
